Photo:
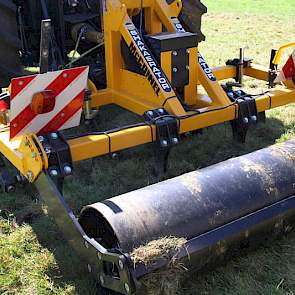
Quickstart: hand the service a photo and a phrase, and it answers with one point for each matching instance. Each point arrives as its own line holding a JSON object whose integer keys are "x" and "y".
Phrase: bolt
{"x": 45, "y": 53}
{"x": 174, "y": 53}
{"x": 101, "y": 279}
{"x": 54, "y": 135}
{"x": 126, "y": 286}
{"x": 89, "y": 267}
{"x": 164, "y": 142}
{"x": 21, "y": 82}
{"x": 33, "y": 155}
{"x": 86, "y": 244}
{"x": 121, "y": 264}
{"x": 53, "y": 172}
{"x": 246, "y": 121}
{"x": 65, "y": 75}
{"x": 230, "y": 94}
{"x": 67, "y": 170}
{"x": 175, "y": 140}
{"x": 254, "y": 119}
{"x": 41, "y": 138}
{"x": 62, "y": 115}
{"x": 14, "y": 125}
{"x": 115, "y": 156}
{"x": 30, "y": 175}
{"x": 188, "y": 51}
{"x": 175, "y": 70}
{"x": 187, "y": 67}
{"x": 47, "y": 24}
{"x": 10, "y": 189}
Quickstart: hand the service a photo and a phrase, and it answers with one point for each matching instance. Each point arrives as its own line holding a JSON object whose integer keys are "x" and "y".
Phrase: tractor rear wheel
{"x": 191, "y": 16}
{"x": 10, "y": 63}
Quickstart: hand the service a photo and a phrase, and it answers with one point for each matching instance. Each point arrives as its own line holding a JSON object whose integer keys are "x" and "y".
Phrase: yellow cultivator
{"x": 153, "y": 68}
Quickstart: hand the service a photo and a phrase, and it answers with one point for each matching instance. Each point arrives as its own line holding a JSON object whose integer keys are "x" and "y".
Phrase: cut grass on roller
{"x": 34, "y": 257}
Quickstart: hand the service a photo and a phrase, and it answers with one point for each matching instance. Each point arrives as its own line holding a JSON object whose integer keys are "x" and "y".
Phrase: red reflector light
{"x": 3, "y": 105}
{"x": 43, "y": 102}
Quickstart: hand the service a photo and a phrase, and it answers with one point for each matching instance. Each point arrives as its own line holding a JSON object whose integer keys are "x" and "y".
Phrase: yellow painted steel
{"x": 139, "y": 92}
{"x": 25, "y": 153}
{"x": 166, "y": 64}
{"x": 190, "y": 90}
{"x": 279, "y": 53}
{"x": 258, "y": 72}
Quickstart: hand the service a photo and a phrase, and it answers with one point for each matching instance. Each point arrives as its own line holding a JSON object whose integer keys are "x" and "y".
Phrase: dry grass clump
{"x": 166, "y": 281}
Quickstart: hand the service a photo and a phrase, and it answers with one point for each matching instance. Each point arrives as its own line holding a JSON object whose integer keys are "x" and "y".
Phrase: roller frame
{"x": 29, "y": 157}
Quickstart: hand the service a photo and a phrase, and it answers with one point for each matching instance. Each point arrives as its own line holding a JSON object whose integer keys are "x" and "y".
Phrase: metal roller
{"x": 227, "y": 201}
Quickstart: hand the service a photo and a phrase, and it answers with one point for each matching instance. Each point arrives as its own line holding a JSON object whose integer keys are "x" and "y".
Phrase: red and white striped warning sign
{"x": 68, "y": 87}
{"x": 288, "y": 70}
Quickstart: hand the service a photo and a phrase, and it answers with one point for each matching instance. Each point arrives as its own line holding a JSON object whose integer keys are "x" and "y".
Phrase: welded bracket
{"x": 98, "y": 259}
{"x": 167, "y": 132}
{"x": 246, "y": 114}
{"x": 58, "y": 154}
{"x": 167, "y": 129}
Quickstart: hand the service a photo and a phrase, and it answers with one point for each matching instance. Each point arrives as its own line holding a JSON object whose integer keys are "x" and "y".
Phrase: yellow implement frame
{"x": 151, "y": 90}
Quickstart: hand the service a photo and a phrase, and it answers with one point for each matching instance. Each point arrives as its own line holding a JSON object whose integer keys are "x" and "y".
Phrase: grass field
{"x": 34, "y": 258}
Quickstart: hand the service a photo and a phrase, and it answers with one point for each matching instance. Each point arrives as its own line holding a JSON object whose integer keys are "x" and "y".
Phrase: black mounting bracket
{"x": 167, "y": 133}
{"x": 166, "y": 125}
{"x": 246, "y": 115}
{"x": 59, "y": 156}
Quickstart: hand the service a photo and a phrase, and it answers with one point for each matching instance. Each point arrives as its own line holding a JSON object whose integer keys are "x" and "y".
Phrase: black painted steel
{"x": 200, "y": 202}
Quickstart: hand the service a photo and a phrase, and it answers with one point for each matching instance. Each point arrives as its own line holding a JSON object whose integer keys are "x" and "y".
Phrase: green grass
{"x": 34, "y": 258}
{"x": 258, "y": 7}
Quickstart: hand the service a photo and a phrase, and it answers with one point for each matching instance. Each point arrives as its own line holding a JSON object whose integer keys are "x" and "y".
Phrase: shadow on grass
{"x": 104, "y": 177}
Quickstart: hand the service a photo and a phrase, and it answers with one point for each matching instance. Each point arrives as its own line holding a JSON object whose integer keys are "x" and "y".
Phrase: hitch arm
{"x": 95, "y": 255}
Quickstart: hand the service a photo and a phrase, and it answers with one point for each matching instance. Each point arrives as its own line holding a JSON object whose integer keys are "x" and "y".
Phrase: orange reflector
{"x": 43, "y": 102}
{"x": 3, "y": 105}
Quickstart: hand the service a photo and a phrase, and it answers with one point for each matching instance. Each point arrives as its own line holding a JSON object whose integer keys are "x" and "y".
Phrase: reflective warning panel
{"x": 64, "y": 104}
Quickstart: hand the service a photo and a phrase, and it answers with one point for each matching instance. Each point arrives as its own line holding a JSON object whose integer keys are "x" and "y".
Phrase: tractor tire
{"x": 10, "y": 63}
{"x": 191, "y": 17}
